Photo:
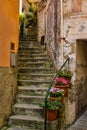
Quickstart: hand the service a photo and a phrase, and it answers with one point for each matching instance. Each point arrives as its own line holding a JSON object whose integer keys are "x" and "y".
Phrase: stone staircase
{"x": 35, "y": 72}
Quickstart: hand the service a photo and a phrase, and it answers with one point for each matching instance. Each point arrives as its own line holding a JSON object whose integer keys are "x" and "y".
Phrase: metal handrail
{"x": 45, "y": 119}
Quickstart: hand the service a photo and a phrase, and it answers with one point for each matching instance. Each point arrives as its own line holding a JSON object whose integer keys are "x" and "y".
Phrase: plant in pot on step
{"x": 65, "y": 73}
{"x": 56, "y": 93}
{"x": 52, "y": 109}
{"x": 62, "y": 83}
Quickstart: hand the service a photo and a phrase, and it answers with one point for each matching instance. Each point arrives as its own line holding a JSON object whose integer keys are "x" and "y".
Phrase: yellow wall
{"x": 9, "y": 29}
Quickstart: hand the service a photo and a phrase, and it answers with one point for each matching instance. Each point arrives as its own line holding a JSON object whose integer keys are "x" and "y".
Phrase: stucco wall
{"x": 9, "y": 32}
{"x": 8, "y": 86}
{"x": 9, "y": 29}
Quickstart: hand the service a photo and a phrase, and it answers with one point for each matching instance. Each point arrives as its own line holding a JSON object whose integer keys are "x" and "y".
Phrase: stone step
{"x": 31, "y": 76}
{"x": 35, "y": 70}
{"x": 31, "y": 43}
{"x": 27, "y": 109}
{"x": 28, "y": 47}
{"x": 32, "y": 33}
{"x": 33, "y": 82}
{"x": 14, "y": 128}
{"x": 33, "y": 59}
{"x": 32, "y": 36}
{"x": 37, "y": 64}
{"x": 30, "y": 52}
{"x": 33, "y": 55}
{"x": 32, "y": 90}
{"x": 32, "y": 99}
{"x": 34, "y": 64}
{"x": 32, "y": 122}
{"x": 27, "y": 42}
{"x": 31, "y": 64}
{"x": 29, "y": 39}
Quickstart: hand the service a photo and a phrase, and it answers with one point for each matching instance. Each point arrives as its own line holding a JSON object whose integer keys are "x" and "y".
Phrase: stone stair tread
{"x": 31, "y": 88}
{"x": 26, "y": 117}
{"x": 15, "y": 128}
{"x": 42, "y": 74}
{"x": 26, "y": 46}
{"x": 35, "y": 68}
{"x": 33, "y": 62}
{"x": 32, "y": 96}
{"x": 18, "y": 128}
{"x": 36, "y": 81}
{"x": 38, "y": 58}
{"x": 29, "y": 106}
{"x": 34, "y": 54}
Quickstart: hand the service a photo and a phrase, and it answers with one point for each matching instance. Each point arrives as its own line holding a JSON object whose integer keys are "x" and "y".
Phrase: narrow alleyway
{"x": 35, "y": 71}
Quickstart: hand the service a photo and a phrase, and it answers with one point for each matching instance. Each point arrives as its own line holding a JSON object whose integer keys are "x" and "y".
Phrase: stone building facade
{"x": 9, "y": 30}
{"x": 64, "y": 24}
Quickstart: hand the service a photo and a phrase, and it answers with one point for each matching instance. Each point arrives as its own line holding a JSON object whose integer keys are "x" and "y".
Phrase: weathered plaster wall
{"x": 41, "y": 24}
{"x": 9, "y": 30}
{"x": 25, "y": 5}
{"x": 75, "y": 35}
{"x": 48, "y": 24}
{"x": 8, "y": 84}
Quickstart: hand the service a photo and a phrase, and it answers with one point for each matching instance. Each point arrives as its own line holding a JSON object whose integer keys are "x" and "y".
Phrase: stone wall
{"x": 74, "y": 46}
{"x": 49, "y": 25}
{"x": 25, "y": 5}
{"x": 8, "y": 86}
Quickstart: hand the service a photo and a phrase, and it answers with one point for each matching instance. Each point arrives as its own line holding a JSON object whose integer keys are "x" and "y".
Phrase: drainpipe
{"x": 62, "y": 34}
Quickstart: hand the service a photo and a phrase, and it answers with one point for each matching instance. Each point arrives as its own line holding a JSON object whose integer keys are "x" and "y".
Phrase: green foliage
{"x": 65, "y": 73}
{"x": 22, "y": 18}
{"x": 31, "y": 16}
{"x": 52, "y": 105}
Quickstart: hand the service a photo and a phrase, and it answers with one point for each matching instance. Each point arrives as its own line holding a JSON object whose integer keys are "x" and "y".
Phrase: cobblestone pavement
{"x": 80, "y": 124}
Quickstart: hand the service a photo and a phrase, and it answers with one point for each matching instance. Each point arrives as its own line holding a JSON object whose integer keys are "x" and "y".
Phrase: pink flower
{"x": 61, "y": 81}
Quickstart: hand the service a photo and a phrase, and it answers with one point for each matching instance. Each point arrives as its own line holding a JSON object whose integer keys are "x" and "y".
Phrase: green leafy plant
{"x": 65, "y": 73}
{"x": 52, "y": 105}
{"x": 31, "y": 16}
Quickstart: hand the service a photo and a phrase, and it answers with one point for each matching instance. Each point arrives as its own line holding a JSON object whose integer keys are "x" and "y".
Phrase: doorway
{"x": 81, "y": 76}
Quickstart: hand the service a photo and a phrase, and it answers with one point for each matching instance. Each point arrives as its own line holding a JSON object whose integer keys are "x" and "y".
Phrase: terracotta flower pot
{"x": 64, "y": 87}
{"x": 52, "y": 115}
{"x": 53, "y": 98}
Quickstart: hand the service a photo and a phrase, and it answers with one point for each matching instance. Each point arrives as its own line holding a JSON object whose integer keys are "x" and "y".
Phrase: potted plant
{"x": 56, "y": 93}
{"x": 61, "y": 83}
{"x": 52, "y": 109}
{"x": 67, "y": 74}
